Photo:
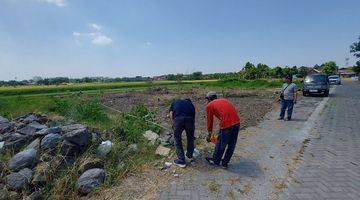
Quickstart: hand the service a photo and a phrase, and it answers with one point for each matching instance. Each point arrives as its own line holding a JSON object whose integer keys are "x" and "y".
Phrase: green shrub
{"x": 136, "y": 122}
{"x": 80, "y": 108}
{"x": 90, "y": 110}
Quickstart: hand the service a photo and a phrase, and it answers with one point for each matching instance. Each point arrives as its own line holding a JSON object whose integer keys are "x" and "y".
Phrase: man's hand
{"x": 208, "y": 138}
{"x": 170, "y": 115}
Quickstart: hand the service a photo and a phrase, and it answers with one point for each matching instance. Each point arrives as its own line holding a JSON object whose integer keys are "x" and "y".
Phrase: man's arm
{"x": 171, "y": 112}
{"x": 210, "y": 119}
{"x": 194, "y": 110}
{"x": 171, "y": 116}
{"x": 295, "y": 94}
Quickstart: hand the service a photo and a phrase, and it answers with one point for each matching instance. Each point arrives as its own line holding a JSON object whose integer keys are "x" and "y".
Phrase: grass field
{"x": 15, "y": 101}
{"x": 86, "y": 87}
{"x": 109, "y": 87}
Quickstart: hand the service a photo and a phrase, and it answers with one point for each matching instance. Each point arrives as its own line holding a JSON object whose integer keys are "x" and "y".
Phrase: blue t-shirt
{"x": 182, "y": 108}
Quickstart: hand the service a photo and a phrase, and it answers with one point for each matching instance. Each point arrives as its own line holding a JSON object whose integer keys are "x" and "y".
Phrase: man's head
{"x": 210, "y": 96}
{"x": 288, "y": 78}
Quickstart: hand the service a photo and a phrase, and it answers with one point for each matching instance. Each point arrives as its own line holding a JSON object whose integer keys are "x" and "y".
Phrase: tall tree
{"x": 303, "y": 71}
{"x": 196, "y": 76}
{"x": 262, "y": 70}
{"x": 294, "y": 70}
{"x": 355, "y": 49}
{"x": 329, "y": 68}
{"x": 356, "y": 68}
{"x": 276, "y": 72}
{"x": 250, "y": 71}
{"x": 286, "y": 70}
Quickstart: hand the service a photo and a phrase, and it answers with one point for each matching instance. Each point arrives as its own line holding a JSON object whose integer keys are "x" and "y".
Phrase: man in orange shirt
{"x": 229, "y": 128}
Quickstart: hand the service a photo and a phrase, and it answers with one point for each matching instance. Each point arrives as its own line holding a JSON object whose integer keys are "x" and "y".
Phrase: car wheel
{"x": 326, "y": 94}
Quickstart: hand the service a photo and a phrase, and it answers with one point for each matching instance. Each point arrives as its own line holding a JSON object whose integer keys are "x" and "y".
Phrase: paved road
{"x": 330, "y": 166}
{"x": 267, "y": 154}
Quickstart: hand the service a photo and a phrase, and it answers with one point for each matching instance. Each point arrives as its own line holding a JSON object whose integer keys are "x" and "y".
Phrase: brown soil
{"x": 251, "y": 106}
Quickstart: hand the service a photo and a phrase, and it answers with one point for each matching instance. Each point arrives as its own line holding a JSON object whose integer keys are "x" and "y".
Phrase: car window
{"x": 318, "y": 78}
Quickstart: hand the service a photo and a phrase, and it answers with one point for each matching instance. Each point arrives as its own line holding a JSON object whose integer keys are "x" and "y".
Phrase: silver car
{"x": 335, "y": 79}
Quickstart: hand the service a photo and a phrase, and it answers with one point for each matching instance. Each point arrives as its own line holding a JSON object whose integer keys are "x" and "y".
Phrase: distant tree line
{"x": 249, "y": 71}
{"x": 65, "y": 80}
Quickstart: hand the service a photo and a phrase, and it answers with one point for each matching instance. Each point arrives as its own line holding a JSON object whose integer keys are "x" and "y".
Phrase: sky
{"x": 118, "y": 38}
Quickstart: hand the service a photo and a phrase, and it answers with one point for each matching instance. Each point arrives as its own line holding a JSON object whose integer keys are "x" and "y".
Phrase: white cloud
{"x": 60, "y": 3}
{"x": 95, "y": 26}
{"x": 95, "y": 35}
{"x": 101, "y": 40}
{"x": 147, "y": 44}
{"x": 76, "y": 34}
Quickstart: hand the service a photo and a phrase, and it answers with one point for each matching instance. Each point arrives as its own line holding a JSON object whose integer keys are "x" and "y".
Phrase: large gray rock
{"x": 50, "y": 141}
{"x": 90, "y": 180}
{"x": 151, "y": 136}
{"x": 19, "y": 125}
{"x": 42, "y": 173}
{"x": 23, "y": 159}
{"x": 35, "y": 144}
{"x": 90, "y": 163}
{"x": 3, "y": 120}
{"x": 69, "y": 149}
{"x": 32, "y": 128}
{"x": 30, "y": 118}
{"x": 80, "y": 137}
{"x": 2, "y": 144}
{"x": 6, "y": 127}
{"x": 19, "y": 180}
{"x": 37, "y": 195}
{"x": 53, "y": 130}
{"x": 104, "y": 148}
{"x": 16, "y": 141}
{"x": 163, "y": 151}
{"x": 73, "y": 127}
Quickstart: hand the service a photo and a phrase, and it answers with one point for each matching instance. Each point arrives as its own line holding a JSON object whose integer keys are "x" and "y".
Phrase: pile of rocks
{"x": 165, "y": 139}
{"x": 41, "y": 148}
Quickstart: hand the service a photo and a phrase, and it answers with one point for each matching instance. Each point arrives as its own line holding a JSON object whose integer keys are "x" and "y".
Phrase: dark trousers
{"x": 289, "y": 105}
{"x": 226, "y": 138}
{"x": 180, "y": 124}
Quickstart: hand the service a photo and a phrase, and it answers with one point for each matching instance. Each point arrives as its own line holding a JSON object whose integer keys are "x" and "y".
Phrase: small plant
{"x": 90, "y": 110}
{"x": 80, "y": 108}
{"x": 136, "y": 122}
{"x": 214, "y": 187}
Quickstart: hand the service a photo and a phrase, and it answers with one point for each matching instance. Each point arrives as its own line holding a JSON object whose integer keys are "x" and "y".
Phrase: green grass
{"x": 91, "y": 88}
{"x": 15, "y": 101}
{"x": 122, "y": 130}
{"x": 21, "y": 90}
{"x": 13, "y": 106}
{"x": 248, "y": 84}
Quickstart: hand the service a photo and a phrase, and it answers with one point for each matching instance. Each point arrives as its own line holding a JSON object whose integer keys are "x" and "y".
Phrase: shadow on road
{"x": 246, "y": 167}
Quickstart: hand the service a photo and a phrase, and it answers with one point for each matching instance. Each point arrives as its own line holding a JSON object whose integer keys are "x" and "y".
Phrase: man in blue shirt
{"x": 182, "y": 115}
